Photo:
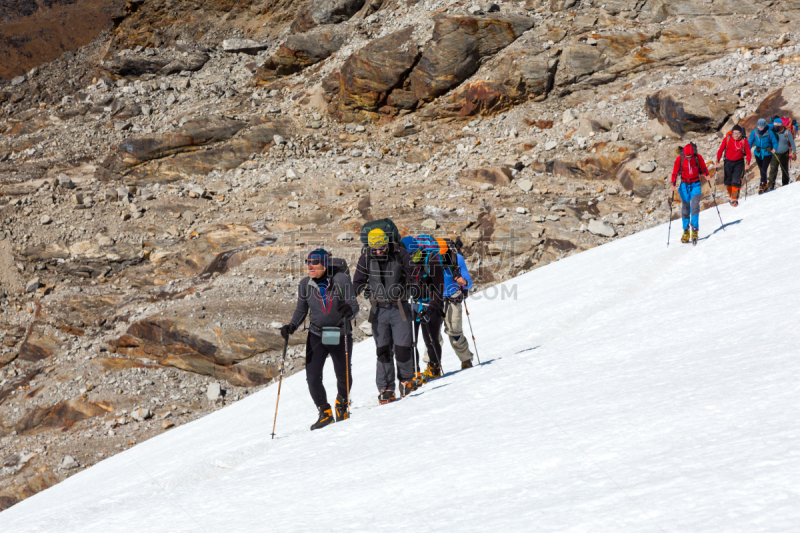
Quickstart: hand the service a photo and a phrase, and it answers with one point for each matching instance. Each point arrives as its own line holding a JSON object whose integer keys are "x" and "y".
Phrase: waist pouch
{"x": 331, "y": 336}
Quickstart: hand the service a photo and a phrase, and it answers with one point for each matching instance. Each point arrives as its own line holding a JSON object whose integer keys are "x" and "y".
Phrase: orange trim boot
{"x": 735, "y": 196}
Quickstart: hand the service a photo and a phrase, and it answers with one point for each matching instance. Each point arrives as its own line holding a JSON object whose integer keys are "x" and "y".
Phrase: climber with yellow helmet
{"x": 382, "y": 274}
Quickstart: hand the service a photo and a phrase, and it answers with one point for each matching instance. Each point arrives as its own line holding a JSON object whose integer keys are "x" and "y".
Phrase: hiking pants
{"x": 391, "y": 329}
{"x": 316, "y": 354}
{"x": 431, "y": 336}
{"x": 763, "y": 167}
{"x": 453, "y": 316}
{"x": 690, "y": 203}
{"x": 734, "y": 170}
{"x": 782, "y": 161}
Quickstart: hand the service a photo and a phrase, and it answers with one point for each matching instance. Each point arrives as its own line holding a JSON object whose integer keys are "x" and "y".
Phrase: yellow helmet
{"x": 377, "y": 238}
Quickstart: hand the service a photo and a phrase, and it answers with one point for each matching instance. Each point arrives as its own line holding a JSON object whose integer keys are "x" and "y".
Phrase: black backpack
{"x": 450, "y": 258}
{"x": 338, "y": 266}
{"x": 388, "y": 227}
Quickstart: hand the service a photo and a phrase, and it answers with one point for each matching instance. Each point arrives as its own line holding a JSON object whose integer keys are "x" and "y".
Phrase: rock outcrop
{"x": 320, "y": 12}
{"x": 369, "y": 76}
{"x": 302, "y": 50}
{"x": 690, "y": 108}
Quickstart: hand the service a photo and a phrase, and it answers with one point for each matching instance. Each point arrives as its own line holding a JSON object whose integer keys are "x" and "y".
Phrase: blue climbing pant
{"x": 690, "y": 203}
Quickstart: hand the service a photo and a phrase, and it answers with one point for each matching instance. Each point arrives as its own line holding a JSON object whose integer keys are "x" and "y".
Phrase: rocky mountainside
{"x": 35, "y": 32}
{"x": 160, "y": 186}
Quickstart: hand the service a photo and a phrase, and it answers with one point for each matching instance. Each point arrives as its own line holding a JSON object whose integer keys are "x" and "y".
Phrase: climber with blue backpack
{"x": 427, "y": 302}
{"x": 763, "y": 143}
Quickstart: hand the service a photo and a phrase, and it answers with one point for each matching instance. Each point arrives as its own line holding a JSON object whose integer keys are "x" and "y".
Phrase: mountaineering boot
{"x": 694, "y": 236}
{"x": 685, "y": 237}
{"x": 735, "y": 197}
{"x": 418, "y": 380}
{"x": 386, "y": 396}
{"x": 407, "y": 387}
{"x": 466, "y": 364}
{"x": 432, "y": 372}
{"x": 325, "y": 417}
{"x": 762, "y": 188}
{"x": 341, "y": 409}
{"x": 729, "y": 188}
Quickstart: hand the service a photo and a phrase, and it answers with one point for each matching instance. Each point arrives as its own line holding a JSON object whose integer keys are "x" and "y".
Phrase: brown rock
{"x": 785, "y": 102}
{"x": 301, "y": 51}
{"x": 38, "y": 346}
{"x": 194, "y": 133}
{"x": 499, "y": 177}
{"x": 370, "y": 74}
{"x": 457, "y": 47}
{"x": 686, "y": 108}
{"x": 326, "y": 12}
{"x": 602, "y": 165}
{"x": 192, "y": 346}
{"x": 61, "y": 415}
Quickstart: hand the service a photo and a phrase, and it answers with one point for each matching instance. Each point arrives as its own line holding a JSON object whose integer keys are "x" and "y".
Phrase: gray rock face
{"x": 244, "y": 46}
{"x": 32, "y": 285}
{"x": 213, "y": 392}
{"x": 68, "y": 463}
{"x": 684, "y": 109}
{"x": 164, "y": 62}
{"x": 326, "y": 12}
{"x": 599, "y": 227}
{"x": 141, "y": 414}
{"x": 648, "y": 167}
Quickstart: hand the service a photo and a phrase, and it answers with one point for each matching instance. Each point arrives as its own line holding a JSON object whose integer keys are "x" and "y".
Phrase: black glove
{"x": 345, "y": 310}
{"x": 287, "y": 330}
{"x": 426, "y": 314}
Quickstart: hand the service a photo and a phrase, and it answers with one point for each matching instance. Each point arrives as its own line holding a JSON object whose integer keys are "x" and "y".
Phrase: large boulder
{"x": 690, "y": 108}
{"x": 222, "y": 156}
{"x": 522, "y": 71}
{"x": 173, "y": 60}
{"x": 784, "y": 102}
{"x": 194, "y": 133}
{"x": 603, "y": 164}
{"x": 326, "y": 12}
{"x": 369, "y": 75}
{"x": 456, "y": 50}
{"x": 302, "y": 50}
{"x": 192, "y": 346}
{"x": 476, "y": 177}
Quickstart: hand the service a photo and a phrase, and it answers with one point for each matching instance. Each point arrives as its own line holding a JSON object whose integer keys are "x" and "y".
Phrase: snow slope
{"x": 630, "y": 388}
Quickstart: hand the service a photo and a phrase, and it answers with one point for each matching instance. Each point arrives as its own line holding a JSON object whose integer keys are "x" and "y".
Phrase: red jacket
{"x": 734, "y": 150}
{"x": 691, "y": 173}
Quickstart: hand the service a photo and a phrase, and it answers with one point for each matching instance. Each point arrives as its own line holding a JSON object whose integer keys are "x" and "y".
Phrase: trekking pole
{"x": 473, "y": 333}
{"x": 714, "y": 197}
{"x": 746, "y": 170}
{"x": 346, "y": 355}
{"x": 669, "y": 230}
{"x": 414, "y": 338}
{"x": 347, "y": 371}
{"x": 280, "y": 382}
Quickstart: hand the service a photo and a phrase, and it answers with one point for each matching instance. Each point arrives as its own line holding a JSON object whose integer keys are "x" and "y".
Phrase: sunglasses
{"x": 314, "y": 262}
